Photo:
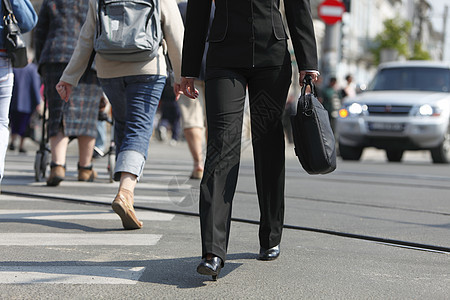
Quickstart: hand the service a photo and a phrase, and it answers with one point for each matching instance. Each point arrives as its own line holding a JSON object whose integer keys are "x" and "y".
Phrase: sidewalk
{"x": 159, "y": 261}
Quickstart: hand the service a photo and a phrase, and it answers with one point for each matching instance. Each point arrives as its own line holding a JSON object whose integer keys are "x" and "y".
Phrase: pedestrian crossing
{"x": 70, "y": 275}
{"x": 45, "y": 242}
{"x": 23, "y": 172}
{"x": 38, "y": 267}
{"x": 174, "y": 192}
{"x": 77, "y": 215}
{"x": 77, "y": 239}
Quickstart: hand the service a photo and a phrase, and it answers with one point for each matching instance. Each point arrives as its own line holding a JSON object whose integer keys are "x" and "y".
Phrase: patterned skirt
{"x": 77, "y": 117}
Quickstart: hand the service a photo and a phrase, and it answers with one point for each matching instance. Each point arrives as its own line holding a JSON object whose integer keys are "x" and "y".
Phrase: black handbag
{"x": 14, "y": 42}
{"x": 313, "y": 137}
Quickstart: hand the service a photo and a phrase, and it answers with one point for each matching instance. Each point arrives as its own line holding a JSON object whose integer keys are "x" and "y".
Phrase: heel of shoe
{"x": 211, "y": 267}
{"x": 86, "y": 173}
{"x": 197, "y": 174}
{"x": 57, "y": 174}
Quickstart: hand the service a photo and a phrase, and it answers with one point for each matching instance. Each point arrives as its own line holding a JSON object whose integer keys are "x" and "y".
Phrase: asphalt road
{"x": 369, "y": 230}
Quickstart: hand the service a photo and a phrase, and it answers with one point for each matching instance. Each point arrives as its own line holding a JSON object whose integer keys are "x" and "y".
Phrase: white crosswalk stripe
{"x": 77, "y": 239}
{"x": 70, "y": 274}
{"x": 38, "y": 271}
{"x": 77, "y": 215}
{"x": 168, "y": 194}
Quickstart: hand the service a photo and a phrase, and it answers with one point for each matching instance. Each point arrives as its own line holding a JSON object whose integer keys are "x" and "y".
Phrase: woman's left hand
{"x": 188, "y": 88}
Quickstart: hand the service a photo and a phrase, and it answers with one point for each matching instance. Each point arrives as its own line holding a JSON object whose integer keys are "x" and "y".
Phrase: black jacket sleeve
{"x": 196, "y": 29}
{"x": 301, "y": 29}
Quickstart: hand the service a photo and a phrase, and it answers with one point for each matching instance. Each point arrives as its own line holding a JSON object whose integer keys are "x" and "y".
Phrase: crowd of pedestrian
{"x": 208, "y": 76}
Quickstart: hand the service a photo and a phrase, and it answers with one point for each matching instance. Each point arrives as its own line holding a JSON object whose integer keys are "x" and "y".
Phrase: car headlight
{"x": 426, "y": 110}
{"x": 354, "y": 109}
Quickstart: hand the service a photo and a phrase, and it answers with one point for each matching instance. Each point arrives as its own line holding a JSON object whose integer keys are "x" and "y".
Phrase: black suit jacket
{"x": 248, "y": 33}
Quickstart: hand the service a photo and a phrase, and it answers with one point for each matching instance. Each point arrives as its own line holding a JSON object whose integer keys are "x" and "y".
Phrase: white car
{"x": 406, "y": 107}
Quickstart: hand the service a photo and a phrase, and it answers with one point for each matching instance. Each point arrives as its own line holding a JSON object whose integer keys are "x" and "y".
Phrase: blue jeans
{"x": 134, "y": 100}
{"x": 100, "y": 141}
{"x": 6, "y": 87}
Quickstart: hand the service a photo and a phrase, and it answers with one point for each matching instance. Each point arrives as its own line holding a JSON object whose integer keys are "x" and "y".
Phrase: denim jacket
{"x": 25, "y": 15}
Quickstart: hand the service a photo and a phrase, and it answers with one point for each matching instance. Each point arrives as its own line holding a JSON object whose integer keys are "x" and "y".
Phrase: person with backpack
{"x": 132, "y": 72}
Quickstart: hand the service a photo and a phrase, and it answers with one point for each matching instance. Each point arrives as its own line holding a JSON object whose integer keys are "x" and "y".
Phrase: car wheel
{"x": 394, "y": 155}
{"x": 349, "y": 152}
{"x": 441, "y": 154}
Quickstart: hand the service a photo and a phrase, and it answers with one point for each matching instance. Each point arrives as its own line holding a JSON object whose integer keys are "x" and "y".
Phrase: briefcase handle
{"x": 305, "y": 104}
{"x": 307, "y": 80}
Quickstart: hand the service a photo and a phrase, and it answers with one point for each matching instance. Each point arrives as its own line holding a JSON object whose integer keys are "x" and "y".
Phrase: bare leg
{"x": 13, "y": 141}
{"x": 58, "y": 145}
{"x": 86, "y": 150}
{"x": 128, "y": 182}
{"x": 123, "y": 203}
{"x": 194, "y": 137}
{"x": 22, "y": 140}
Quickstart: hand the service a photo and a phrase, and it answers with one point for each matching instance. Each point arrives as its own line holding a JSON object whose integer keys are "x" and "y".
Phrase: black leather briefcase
{"x": 314, "y": 140}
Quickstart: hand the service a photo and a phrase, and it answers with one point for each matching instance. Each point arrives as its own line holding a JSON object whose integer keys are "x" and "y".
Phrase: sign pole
{"x": 330, "y": 52}
{"x": 330, "y": 11}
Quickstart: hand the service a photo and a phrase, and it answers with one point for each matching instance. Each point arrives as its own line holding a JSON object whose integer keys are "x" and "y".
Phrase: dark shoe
{"x": 269, "y": 254}
{"x": 21, "y": 150}
{"x": 57, "y": 174}
{"x": 210, "y": 267}
{"x": 11, "y": 147}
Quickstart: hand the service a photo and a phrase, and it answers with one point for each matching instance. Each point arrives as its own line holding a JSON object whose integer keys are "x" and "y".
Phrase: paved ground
{"x": 66, "y": 243}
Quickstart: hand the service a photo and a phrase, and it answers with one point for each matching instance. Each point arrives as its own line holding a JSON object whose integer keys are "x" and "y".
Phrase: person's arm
{"x": 196, "y": 28}
{"x": 25, "y": 14}
{"x": 198, "y": 14}
{"x": 172, "y": 26}
{"x": 301, "y": 30}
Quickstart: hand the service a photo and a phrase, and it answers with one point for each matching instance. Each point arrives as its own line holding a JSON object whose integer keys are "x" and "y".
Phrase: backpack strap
{"x": 7, "y": 7}
{"x": 99, "y": 26}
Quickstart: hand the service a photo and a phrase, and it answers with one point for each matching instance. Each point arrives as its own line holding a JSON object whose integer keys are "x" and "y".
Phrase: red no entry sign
{"x": 330, "y": 11}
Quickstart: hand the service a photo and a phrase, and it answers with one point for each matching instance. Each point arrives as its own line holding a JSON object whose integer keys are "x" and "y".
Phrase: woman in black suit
{"x": 247, "y": 50}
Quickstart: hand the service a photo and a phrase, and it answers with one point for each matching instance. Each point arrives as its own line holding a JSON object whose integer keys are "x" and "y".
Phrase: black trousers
{"x": 225, "y": 97}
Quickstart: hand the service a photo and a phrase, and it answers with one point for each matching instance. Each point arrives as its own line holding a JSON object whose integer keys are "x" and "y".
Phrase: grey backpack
{"x": 128, "y": 30}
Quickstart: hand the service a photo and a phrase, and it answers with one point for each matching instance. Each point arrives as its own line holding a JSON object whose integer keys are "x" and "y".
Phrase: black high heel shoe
{"x": 210, "y": 267}
{"x": 269, "y": 254}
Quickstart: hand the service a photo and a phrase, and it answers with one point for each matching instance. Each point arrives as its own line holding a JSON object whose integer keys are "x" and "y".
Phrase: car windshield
{"x": 413, "y": 78}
